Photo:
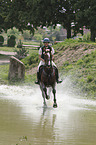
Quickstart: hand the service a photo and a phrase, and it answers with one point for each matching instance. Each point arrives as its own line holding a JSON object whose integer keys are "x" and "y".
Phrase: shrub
{"x": 21, "y": 53}
{"x": 31, "y": 60}
{"x": 11, "y": 41}
{"x": 79, "y": 39}
{"x": 86, "y": 37}
{"x": 1, "y": 40}
{"x": 19, "y": 45}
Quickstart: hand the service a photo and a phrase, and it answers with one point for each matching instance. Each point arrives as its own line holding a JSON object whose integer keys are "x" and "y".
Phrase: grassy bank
{"x": 4, "y": 69}
{"x": 82, "y": 74}
{"x": 4, "y": 74}
{"x": 74, "y": 59}
{"x": 77, "y": 60}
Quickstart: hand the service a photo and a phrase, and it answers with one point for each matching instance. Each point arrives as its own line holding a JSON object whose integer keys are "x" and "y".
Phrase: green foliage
{"x": 79, "y": 62}
{"x": 66, "y": 63}
{"x": 80, "y": 40}
{"x": 86, "y": 37}
{"x": 21, "y": 52}
{"x": 4, "y": 74}
{"x": 21, "y": 15}
{"x": 85, "y": 11}
{"x": 11, "y": 41}
{"x": 83, "y": 74}
{"x": 1, "y": 40}
{"x": 10, "y": 49}
{"x": 31, "y": 60}
{"x": 26, "y": 35}
{"x": 19, "y": 45}
{"x": 38, "y": 37}
{"x": 89, "y": 78}
{"x": 14, "y": 32}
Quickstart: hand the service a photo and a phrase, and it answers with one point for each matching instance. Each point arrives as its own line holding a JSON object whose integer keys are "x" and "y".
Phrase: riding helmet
{"x": 46, "y": 40}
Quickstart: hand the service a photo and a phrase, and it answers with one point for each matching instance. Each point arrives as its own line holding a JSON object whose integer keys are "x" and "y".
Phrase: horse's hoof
{"x": 55, "y": 105}
{"x": 47, "y": 97}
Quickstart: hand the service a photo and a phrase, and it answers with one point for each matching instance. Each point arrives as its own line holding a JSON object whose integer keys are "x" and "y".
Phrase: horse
{"x": 48, "y": 79}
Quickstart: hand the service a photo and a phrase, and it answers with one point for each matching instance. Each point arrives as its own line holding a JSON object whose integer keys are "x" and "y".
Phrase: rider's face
{"x": 46, "y": 44}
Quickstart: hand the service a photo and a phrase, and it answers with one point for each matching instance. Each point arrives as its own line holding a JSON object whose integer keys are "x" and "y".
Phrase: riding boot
{"x": 57, "y": 76}
{"x": 38, "y": 78}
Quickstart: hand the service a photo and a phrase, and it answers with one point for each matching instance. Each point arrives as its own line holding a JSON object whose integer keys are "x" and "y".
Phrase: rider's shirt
{"x": 47, "y": 49}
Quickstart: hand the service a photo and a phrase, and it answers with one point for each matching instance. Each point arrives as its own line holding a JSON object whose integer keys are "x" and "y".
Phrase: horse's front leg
{"x": 43, "y": 93}
{"x": 54, "y": 93}
{"x": 46, "y": 96}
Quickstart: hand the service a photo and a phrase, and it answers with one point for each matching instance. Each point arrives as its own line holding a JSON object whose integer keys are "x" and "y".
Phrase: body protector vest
{"x": 46, "y": 49}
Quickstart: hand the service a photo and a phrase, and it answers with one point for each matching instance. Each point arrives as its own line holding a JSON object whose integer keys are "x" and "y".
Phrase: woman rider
{"x": 46, "y": 42}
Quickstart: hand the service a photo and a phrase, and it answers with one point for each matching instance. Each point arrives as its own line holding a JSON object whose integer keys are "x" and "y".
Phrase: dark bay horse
{"x": 48, "y": 79}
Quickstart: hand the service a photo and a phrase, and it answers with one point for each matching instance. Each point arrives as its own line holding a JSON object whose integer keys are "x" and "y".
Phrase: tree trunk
{"x": 68, "y": 30}
{"x": 93, "y": 34}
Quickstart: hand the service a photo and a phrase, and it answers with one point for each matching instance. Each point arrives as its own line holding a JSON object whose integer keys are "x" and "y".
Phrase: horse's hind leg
{"x": 54, "y": 93}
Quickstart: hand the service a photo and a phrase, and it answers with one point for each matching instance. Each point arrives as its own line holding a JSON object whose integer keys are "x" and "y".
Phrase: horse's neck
{"x": 49, "y": 62}
{"x": 47, "y": 59}
{"x": 48, "y": 69}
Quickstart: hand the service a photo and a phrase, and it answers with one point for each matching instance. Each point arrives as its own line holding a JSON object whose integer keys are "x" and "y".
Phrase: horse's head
{"x": 47, "y": 58}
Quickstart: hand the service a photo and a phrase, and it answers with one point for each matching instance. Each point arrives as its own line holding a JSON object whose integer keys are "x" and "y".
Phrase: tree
{"x": 66, "y": 15}
{"x": 86, "y": 15}
{"x": 30, "y": 14}
{"x": 52, "y": 12}
{"x": 14, "y": 13}
{"x": 5, "y": 6}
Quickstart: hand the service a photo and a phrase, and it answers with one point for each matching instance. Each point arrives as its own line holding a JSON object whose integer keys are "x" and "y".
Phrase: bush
{"x": 86, "y": 37}
{"x": 31, "y": 60}
{"x": 19, "y": 45}
{"x": 21, "y": 53}
{"x": 1, "y": 40}
{"x": 11, "y": 41}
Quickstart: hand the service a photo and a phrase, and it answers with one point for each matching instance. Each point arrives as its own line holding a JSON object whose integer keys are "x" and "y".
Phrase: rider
{"x": 46, "y": 42}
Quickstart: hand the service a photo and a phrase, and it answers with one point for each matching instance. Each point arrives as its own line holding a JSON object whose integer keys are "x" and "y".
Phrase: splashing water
{"x": 22, "y": 114}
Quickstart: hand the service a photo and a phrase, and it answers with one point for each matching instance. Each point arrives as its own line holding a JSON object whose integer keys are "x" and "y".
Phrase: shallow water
{"x": 25, "y": 121}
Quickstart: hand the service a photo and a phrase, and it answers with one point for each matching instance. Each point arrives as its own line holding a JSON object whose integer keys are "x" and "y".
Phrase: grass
{"x": 31, "y": 43}
{"x": 4, "y": 74}
{"x": 4, "y": 69}
{"x": 71, "y": 43}
{"x": 83, "y": 74}
{"x": 9, "y": 49}
{"x": 4, "y": 57}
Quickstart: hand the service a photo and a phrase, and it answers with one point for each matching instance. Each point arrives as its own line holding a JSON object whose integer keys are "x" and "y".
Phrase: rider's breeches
{"x": 43, "y": 63}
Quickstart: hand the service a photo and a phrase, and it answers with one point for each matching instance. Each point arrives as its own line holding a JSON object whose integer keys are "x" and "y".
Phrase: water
{"x": 25, "y": 121}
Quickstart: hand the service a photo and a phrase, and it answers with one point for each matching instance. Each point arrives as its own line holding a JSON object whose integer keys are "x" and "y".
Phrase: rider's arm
{"x": 41, "y": 58}
{"x": 52, "y": 57}
{"x": 40, "y": 54}
{"x": 52, "y": 53}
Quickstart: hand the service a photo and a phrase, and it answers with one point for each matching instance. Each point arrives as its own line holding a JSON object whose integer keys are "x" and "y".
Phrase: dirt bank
{"x": 68, "y": 54}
